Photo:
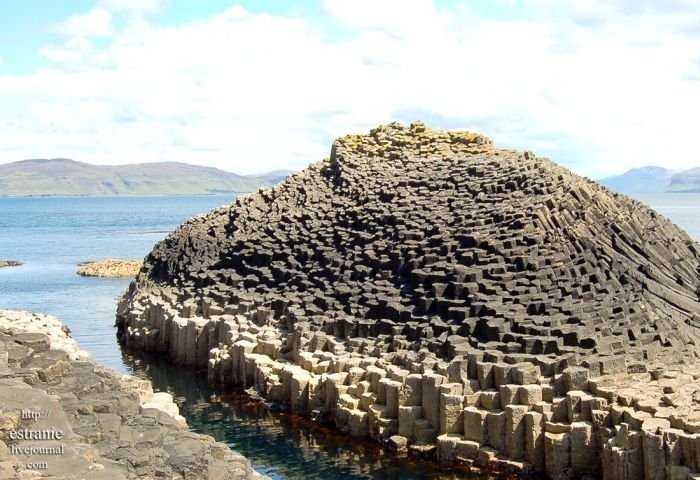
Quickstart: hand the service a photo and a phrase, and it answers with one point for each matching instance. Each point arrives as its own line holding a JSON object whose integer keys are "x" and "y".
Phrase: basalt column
{"x": 428, "y": 290}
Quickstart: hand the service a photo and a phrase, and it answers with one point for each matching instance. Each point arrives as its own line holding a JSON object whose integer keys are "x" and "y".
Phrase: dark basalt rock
{"x": 417, "y": 251}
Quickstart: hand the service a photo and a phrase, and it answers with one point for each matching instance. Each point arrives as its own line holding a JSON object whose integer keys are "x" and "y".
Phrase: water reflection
{"x": 280, "y": 445}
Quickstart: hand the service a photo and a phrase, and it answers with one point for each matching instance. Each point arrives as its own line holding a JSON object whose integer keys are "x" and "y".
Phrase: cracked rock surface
{"x": 426, "y": 289}
{"x": 112, "y": 426}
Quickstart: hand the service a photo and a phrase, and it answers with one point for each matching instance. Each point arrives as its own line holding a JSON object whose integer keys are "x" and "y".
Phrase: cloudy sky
{"x": 599, "y": 86}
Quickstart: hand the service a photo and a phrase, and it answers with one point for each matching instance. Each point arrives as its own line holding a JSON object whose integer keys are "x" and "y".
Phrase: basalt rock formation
{"x": 428, "y": 290}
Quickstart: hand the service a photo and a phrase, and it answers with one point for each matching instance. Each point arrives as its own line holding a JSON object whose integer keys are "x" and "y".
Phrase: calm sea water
{"x": 52, "y": 235}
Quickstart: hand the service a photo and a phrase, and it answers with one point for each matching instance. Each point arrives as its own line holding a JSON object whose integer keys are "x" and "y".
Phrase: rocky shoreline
{"x": 110, "y": 268}
{"x": 63, "y": 416}
{"x": 444, "y": 297}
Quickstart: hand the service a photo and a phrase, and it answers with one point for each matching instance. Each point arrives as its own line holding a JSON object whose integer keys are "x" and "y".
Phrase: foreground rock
{"x": 110, "y": 268}
{"x": 448, "y": 298}
{"x": 9, "y": 263}
{"x": 64, "y": 417}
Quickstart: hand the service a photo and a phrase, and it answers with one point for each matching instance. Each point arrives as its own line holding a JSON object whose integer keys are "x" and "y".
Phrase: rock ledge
{"x": 111, "y": 426}
{"x": 9, "y": 263}
{"x": 110, "y": 268}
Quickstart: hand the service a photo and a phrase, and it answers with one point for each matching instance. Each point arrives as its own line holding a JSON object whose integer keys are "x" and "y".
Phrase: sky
{"x": 598, "y": 86}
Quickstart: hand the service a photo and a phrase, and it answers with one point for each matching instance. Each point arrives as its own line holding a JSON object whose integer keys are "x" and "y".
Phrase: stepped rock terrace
{"x": 445, "y": 297}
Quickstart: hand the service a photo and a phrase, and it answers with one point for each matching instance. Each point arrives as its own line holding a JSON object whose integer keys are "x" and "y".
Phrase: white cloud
{"x": 253, "y": 92}
{"x": 146, "y": 6}
{"x": 77, "y": 52}
{"x": 396, "y": 17}
{"x": 95, "y": 23}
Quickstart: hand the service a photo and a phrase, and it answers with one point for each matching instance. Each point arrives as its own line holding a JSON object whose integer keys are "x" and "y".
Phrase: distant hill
{"x": 640, "y": 180}
{"x": 62, "y": 176}
{"x": 687, "y": 181}
{"x": 654, "y": 179}
{"x": 272, "y": 177}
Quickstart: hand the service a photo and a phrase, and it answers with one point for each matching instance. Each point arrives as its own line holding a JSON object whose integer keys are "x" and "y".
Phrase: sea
{"x": 52, "y": 235}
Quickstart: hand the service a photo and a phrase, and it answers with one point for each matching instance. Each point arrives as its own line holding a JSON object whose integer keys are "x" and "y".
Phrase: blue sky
{"x": 597, "y": 86}
{"x": 26, "y": 26}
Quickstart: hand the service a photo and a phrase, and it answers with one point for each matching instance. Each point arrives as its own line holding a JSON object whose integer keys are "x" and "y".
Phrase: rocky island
{"x": 63, "y": 416}
{"x": 110, "y": 268}
{"x": 447, "y": 298}
{"x": 9, "y": 263}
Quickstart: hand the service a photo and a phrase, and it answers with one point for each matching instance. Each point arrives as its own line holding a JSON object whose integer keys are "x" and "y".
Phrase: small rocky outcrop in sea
{"x": 63, "y": 416}
{"x": 9, "y": 263}
{"x": 430, "y": 291}
{"x": 110, "y": 268}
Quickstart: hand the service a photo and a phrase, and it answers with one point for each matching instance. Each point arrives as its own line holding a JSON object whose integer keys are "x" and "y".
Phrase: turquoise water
{"x": 52, "y": 235}
{"x": 281, "y": 445}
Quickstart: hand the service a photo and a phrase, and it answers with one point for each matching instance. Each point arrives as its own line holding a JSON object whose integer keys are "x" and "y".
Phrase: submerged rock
{"x": 110, "y": 268}
{"x": 487, "y": 305}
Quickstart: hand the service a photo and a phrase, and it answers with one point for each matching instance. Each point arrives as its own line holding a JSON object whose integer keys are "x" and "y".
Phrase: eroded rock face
{"x": 425, "y": 284}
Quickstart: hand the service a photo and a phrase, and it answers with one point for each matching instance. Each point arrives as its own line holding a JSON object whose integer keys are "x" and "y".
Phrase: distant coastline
{"x": 654, "y": 179}
{"x": 60, "y": 177}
